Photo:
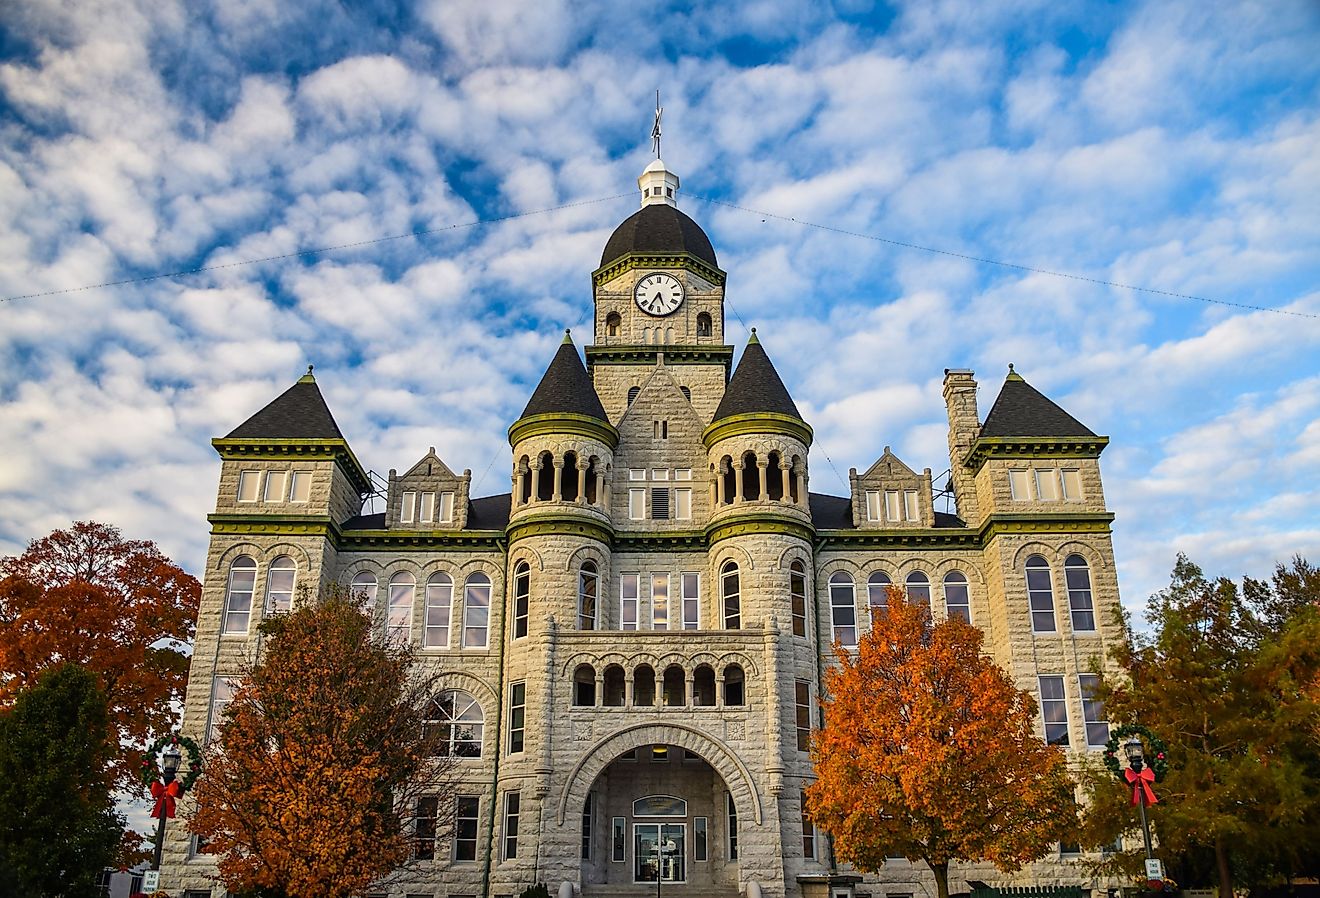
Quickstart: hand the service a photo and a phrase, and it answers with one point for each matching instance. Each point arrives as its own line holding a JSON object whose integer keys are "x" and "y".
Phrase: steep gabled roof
{"x": 755, "y": 387}
{"x": 565, "y": 388}
{"x": 1023, "y": 411}
{"x": 299, "y": 413}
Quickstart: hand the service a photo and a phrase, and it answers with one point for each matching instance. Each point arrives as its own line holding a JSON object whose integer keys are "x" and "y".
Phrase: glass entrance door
{"x": 648, "y": 838}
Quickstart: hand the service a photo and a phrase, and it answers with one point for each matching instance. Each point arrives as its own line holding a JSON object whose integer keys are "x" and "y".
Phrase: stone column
{"x": 738, "y": 481}
{"x": 600, "y": 688}
{"x": 719, "y": 689}
{"x": 582, "y": 482}
{"x": 518, "y": 477}
{"x": 720, "y": 471}
{"x": 536, "y": 482}
{"x": 762, "y": 471}
{"x": 785, "y": 473}
{"x": 600, "y": 490}
{"x": 558, "y": 494}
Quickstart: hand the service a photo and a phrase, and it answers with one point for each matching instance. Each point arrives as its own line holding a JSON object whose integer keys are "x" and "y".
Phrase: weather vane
{"x": 655, "y": 129}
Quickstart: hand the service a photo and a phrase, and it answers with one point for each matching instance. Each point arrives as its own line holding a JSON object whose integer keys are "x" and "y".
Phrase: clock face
{"x": 659, "y": 294}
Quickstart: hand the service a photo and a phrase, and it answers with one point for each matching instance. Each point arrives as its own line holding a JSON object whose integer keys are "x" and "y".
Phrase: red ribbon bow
{"x": 1141, "y": 782}
{"x": 165, "y": 796}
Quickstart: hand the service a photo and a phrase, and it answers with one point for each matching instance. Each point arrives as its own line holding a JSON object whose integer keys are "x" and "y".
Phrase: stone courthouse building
{"x": 631, "y": 642}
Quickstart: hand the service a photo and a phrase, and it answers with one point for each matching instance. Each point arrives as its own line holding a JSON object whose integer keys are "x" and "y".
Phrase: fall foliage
{"x": 116, "y": 607}
{"x": 58, "y": 828}
{"x": 1229, "y": 680}
{"x": 322, "y": 754}
{"x": 929, "y": 752}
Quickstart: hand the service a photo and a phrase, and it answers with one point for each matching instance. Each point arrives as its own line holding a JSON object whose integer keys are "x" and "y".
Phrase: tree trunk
{"x": 1221, "y": 864}
{"x": 941, "y": 872}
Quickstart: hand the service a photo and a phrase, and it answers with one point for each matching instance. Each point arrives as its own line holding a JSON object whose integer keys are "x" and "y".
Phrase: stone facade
{"x": 644, "y": 621}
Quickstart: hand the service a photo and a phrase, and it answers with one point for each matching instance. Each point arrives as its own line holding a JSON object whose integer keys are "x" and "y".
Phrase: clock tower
{"x": 659, "y": 298}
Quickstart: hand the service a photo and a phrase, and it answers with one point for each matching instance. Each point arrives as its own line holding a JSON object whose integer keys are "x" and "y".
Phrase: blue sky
{"x": 1174, "y": 145}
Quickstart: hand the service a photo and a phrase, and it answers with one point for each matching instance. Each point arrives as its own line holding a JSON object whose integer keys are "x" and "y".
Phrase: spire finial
{"x": 655, "y": 128}
{"x": 307, "y": 378}
{"x": 568, "y": 336}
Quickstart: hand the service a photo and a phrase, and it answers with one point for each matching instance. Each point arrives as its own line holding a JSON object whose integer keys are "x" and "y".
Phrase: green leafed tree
{"x": 58, "y": 827}
{"x": 1227, "y": 677}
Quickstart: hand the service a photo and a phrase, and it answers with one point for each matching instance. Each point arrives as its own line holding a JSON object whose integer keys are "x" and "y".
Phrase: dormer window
{"x": 406, "y": 507}
{"x": 873, "y": 505}
{"x": 426, "y": 508}
{"x": 300, "y": 490}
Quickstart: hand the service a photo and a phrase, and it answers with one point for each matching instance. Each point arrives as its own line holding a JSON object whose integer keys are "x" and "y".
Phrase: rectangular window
{"x": 733, "y": 827}
{"x": 1093, "y": 712}
{"x": 690, "y": 583}
{"x": 426, "y": 508}
{"x": 700, "y": 826}
{"x": 911, "y": 505}
{"x": 301, "y": 488}
{"x": 802, "y": 703}
{"x": 635, "y": 474}
{"x": 682, "y": 505}
{"x": 659, "y": 601}
{"x": 588, "y": 807}
{"x": 465, "y": 828}
{"x": 1072, "y": 484}
{"x": 406, "y": 505}
{"x": 1047, "y": 484}
{"x": 511, "y": 801}
{"x": 1054, "y": 708}
{"x": 401, "y": 610}
{"x": 618, "y": 835}
{"x": 274, "y": 486}
{"x": 892, "y": 508}
{"x": 659, "y": 473}
{"x": 797, "y": 589}
{"x": 659, "y": 503}
{"x": 439, "y": 600}
{"x": 446, "y": 507}
{"x": 222, "y": 693}
{"x": 1019, "y": 485}
{"x": 808, "y": 833}
{"x": 424, "y": 827}
{"x": 249, "y": 486}
{"x": 629, "y": 584}
{"x": 636, "y": 504}
{"x": 873, "y": 505}
{"x": 517, "y": 716}
{"x": 682, "y": 473}
{"x": 476, "y": 614}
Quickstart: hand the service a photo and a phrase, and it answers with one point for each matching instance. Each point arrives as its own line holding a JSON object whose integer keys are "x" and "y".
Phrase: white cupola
{"x": 658, "y": 184}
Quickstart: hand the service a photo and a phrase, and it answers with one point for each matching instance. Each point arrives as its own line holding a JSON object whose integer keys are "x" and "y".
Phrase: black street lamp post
{"x": 1137, "y": 760}
{"x": 169, "y": 767}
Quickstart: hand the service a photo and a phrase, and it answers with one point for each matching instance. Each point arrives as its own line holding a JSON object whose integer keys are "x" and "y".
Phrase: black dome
{"x": 658, "y": 228}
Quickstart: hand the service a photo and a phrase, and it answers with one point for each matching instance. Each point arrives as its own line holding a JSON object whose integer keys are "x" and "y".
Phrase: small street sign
{"x": 150, "y": 881}
{"x": 1154, "y": 868}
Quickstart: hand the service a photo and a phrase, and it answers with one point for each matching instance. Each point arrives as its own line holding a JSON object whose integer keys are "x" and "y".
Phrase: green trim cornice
{"x": 942, "y": 538}
{"x": 757, "y": 523}
{"x": 559, "y": 524}
{"x": 352, "y": 540}
{"x": 338, "y": 450}
{"x": 273, "y": 524}
{"x": 563, "y": 424}
{"x": 657, "y": 260}
{"x": 666, "y": 541}
{"x": 756, "y": 423}
{"x": 1059, "y": 522}
{"x": 1033, "y": 447}
{"x": 645, "y": 354}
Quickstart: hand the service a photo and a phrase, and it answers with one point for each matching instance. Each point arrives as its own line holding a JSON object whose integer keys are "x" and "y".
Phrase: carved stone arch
{"x": 364, "y": 565}
{"x": 472, "y": 684}
{"x": 226, "y": 558}
{"x": 726, "y": 763}
{"x": 294, "y": 551}
{"x": 669, "y": 659}
{"x": 792, "y": 554}
{"x": 526, "y": 553}
{"x": 834, "y": 565}
{"x": 480, "y": 565}
{"x": 614, "y": 658}
{"x": 590, "y": 552}
{"x": 439, "y": 566}
{"x": 876, "y": 565}
{"x": 1077, "y": 547}
{"x": 572, "y": 662}
{"x": 1050, "y": 553}
{"x": 744, "y": 661}
{"x": 637, "y": 659}
{"x": 968, "y": 567}
{"x": 404, "y": 564}
{"x": 731, "y": 552}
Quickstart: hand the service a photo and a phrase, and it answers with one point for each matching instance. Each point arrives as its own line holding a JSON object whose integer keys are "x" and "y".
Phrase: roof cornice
{"x": 683, "y": 260}
{"x": 238, "y": 448}
{"x": 646, "y": 353}
{"x": 560, "y": 423}
{"x": 1033, "y": 447}
{"x": 756, "y": 422}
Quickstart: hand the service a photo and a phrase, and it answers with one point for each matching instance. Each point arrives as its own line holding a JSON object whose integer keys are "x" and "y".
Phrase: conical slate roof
{"x": 565, "y": 387}
{"x": 299, "y": 413}
{"x": 658, "y": 228}
{"x": 1023, "y": 411}
{"x": 755, "y": 387}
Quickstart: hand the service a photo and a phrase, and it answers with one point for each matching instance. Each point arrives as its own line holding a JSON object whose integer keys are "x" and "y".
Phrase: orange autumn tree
{"x": 310, "y": 786}
{"x": 930, "y": 753}
{"x": 114, "y": 606}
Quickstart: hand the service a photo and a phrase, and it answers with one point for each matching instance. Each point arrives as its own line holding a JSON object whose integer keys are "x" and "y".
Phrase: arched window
{"x": 674, "y": 683}
{"x": 456, "y": 722}
{"x": 735, "y": 686}
{"x": 522, "y": 594}
{"x": 774, "y": 481}
{"x": 632, "y": 394}
{"x": 1078, "y": 577}
{"x": 751, "y": 477}
{"x": 363, "y": 589}
{"x": 615, "y": 690}
{"x": 612, "y": 322}
{"x": 279, "y": 585}
{"x": 957, "y": 601}
{"x": 588, "y": 594}
{"x": 877, "y": 594}
{"x": 703, "y": 686}
{"x": 730, "y": 593}
{"x": 568, "y": 483}
{"x": 399, "y": 626}
{"x": 918, "y": 588}
{"x": 476, "y": 611}
{"x": 238, "y": 594}
{"x": 545, "y": 481}
{"x": 525, "y": 468}
{"x": 584, "y": 686}
{"x": 797, "y": 590}
{"x": 729, "y": 476}
{"x": 439, "y": 601}
{"x": 843, "y": 609}
{"x": 704, "y": 328}
{"x": 644, "y": 686}
{"x": 1040, "y": 594}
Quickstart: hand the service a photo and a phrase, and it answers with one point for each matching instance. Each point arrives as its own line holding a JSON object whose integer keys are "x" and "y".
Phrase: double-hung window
{"x": 517, "y": 716}
{"x": 512, "y": 800}
{"x": 476, "y": 611}
{"x": 797, "y": 590}
{"x": 1078, "y": 577}
{"x": 1040, "y": 594}
{"x": 843, "y": 609}
{"x": 1093, "y": 711}
{"x": 629, "y": 592}
{"x": 439, "y": 601}
{"x": 465, "y": 827}
{"x": 1054, "y": 710}
{"x": 690, "y": 584}
{"x": 659, "y": 601}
